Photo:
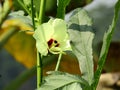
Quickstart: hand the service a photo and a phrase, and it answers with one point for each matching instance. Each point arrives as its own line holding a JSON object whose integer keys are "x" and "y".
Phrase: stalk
{"x": 58, "y": 62}
{"x": 39, "y": 57}
{"x": 42, "y": 10}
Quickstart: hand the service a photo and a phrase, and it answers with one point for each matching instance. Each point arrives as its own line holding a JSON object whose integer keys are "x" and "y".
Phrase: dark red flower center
{"x": 52, "y": 42}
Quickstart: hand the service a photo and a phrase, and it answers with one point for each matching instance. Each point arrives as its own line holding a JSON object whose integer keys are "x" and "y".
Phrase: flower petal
{"x": 60, "y": 29}
{"x": 42, "y": 34}
{"x": 55, "y": 30}
{"x": 47, "y": 30}
{"x": 42, "y": 48}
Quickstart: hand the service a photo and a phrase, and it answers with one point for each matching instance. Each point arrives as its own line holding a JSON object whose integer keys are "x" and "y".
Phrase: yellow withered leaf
{"x": 22, "y": 47}
{"x": 16, "y": 22}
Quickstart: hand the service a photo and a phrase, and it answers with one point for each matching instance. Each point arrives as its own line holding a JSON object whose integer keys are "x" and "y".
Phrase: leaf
{"x": 18, "y": 19}
{"x": 61, "y": 8}
{"x": 21, "y": 16}
{"x": 5, "y": 36}
{"x": 22, "y": 47}
{"x": 106, "y": 43}
{"x": 18, "y": 23}
{"x": 73, "y": 86}
{"x": 81, "y": 36}
{"x": 59, "y": 79}
{"x": 27, "y": 2}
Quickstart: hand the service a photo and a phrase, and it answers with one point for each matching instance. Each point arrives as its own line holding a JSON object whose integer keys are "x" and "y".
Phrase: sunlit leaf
{"x": 18, "y": 23}
{"x": 73, "y": 86}
{"x": 60, "y": 80}
{"x": 21, "y": 16}
{"x": 81, "y": 36}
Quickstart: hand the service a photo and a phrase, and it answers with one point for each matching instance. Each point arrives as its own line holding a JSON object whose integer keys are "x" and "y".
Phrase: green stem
{"x": 58, "y": 62}
{"x": 42, "y": 10}
{"x": 39, "y": 58}
{"x": 5, "y": 12}
{"x": 39, "y": 70}
{"x": 33, "y": 15}
{"x": 25, "y": 8}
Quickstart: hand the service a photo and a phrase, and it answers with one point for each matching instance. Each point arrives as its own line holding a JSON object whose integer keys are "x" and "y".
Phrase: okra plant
{"x": 55, "y": 36}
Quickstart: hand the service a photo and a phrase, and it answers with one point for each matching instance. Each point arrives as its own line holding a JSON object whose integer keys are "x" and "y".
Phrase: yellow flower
{"x": 52, "y": 37}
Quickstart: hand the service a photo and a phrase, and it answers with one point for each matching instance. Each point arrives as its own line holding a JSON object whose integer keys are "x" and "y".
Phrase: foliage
{"x": 49, "y": 39}
{"x": 63, "y": 81}
{"x": 81, "y": 36}
{"x": 106, "y": 44}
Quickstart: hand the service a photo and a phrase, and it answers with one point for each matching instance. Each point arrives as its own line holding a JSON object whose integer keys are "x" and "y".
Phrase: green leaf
{"x": 81, "y": 36}
{"x": 20, "y": 15}
{"x": 61, "y": 8}
{"x": 59, "y": 80}
{"x": 73, "y": 86}
{"x": 27, "y": 2}
{"x": 106, "y": 43}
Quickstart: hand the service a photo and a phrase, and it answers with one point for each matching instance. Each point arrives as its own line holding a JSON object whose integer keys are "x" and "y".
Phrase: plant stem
{"x": 42, "y": 10}
{"x": 24, "y": 7}
{"x": 5, "y": 12}
{"x": 39, "y": 70}
{"x": 33, "y": 15}
{"x": 39, "y": 58}
{"x": 58, "y": 62}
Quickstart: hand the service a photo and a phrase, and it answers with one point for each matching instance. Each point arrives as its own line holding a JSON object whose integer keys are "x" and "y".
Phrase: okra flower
{"x": 52, "y": 37}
